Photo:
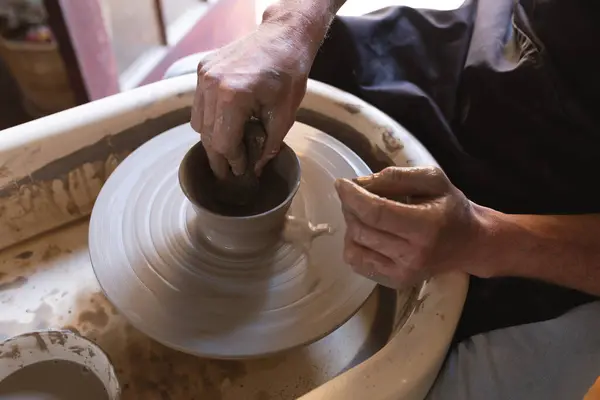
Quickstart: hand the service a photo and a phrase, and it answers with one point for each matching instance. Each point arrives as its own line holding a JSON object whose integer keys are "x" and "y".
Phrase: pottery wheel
{"x": 154, "y": 264}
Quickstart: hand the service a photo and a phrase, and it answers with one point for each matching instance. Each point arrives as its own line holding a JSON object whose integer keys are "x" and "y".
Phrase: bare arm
{"x": 310, "y": 18}
{"x": 564, "y": 250}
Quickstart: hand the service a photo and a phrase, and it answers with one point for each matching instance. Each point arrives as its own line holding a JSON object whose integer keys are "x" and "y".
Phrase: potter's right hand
{"x": 263, "y": 75}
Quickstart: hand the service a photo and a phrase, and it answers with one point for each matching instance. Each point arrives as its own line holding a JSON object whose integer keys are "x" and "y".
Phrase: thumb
{"x": 398, "y": 181}
{"x": 277, "y": 124}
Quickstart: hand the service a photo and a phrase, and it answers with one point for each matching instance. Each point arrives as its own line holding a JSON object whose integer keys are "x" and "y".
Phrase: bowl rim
{"x": 283, "y": 204}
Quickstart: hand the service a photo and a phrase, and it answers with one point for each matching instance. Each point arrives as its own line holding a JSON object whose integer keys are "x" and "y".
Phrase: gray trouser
{"x": 556, "y": 359}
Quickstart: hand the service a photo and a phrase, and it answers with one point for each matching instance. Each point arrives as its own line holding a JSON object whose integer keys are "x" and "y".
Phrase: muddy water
{"x": 53, "y": 380}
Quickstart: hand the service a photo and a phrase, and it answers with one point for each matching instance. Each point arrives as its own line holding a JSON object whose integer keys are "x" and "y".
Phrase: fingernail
{"x": 363, "y": 180}
{"x": 237, "y": 171}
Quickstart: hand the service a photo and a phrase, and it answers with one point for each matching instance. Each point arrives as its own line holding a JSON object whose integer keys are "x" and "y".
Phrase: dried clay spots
{"x": 158, "y": 264}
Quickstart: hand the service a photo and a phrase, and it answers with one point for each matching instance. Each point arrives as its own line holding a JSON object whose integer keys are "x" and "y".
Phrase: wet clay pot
{"x": 241, "y": 229}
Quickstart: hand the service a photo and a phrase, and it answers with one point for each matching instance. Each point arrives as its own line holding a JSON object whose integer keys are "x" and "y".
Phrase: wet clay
{"x": 241, "y": 190}
{"x": 252, "y": 198}
{"x": 53, "y": 380}
{"x": 245, "y": 195}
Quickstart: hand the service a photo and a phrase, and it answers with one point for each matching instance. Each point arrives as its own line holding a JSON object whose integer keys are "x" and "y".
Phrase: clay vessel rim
{"x": 45, "y": 334}
{"x": 204, "y": 210}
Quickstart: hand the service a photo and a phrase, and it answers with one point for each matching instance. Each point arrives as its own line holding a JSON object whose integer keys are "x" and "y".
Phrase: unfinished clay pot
{"x": 251, "y": 226}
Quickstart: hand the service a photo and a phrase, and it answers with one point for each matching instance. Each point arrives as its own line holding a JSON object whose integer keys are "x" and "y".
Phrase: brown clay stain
{"x": 41, "y": 344}
{"x": 2, "y": 276}
{"x": 351, "y": 108}
{"x": 420, "y": 303}
{"x": 57, "y": 337}
{"x": 166, "y": 373}
{"x": 391, "y": 143}
{"x": 97, "y": 318}
{"x": 13, "y": 353}
{"x": 4, "y": 172}
{"x": 77, "y": 350}
{"x": 72, "y": 329}
{"x": 24, "y": 255}
{"x": 16, "y": 283}
{"x": 51, "y": 252}
{"x": 72, "y": 208}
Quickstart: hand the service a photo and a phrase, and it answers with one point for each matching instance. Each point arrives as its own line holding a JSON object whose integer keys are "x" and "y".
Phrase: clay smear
{"x": 302, "y": 232}
{"x": 53, "y": 380}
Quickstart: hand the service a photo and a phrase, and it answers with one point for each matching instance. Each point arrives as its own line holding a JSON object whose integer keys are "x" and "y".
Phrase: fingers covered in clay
{"x": 257, "y": 76}
{"x": 403, "y": 242}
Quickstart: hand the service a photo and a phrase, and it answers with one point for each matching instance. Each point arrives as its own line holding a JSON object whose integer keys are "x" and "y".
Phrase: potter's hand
{"x": 406, "y": 243}
{"x": 263, "y": 75}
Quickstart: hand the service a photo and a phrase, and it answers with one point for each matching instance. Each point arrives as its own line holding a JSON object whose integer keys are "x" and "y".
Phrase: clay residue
{"x": 39, "y": 341}
{"x": 13, "y": 353}
{"x": 392, "y": 144}
{"x": 13, "y": 284}
{"x": 65, "y": 189}
{"x": 57, "y": 337}
{"x": 303, "y": 232}
{"x": 24, "y": 255}
{"x": 97, "y": 318}
{"x": 77, "y": 350}
{"x": 4, "y": 171}
{"x": 168, "y": 373}
{"x": 51, "y": 252}
{"x": 421, "y": 303}
{"x": 351, "y": 108}
{"x": 72, "y": 329}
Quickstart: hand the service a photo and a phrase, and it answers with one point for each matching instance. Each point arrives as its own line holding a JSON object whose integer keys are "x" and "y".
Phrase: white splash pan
{"x": 51, "y": 171}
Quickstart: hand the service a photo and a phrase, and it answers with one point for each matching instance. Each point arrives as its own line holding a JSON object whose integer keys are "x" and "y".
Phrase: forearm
{"x": 563, "y": 250}
{"x": 308, "y": 18}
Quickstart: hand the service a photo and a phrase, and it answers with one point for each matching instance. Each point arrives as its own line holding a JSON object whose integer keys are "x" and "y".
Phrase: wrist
{"x": 498, "y": 238}
{"x": 306, "y": 22}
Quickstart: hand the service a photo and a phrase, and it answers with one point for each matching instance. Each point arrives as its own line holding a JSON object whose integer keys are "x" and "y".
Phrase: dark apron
{"x": 505, "y": 97}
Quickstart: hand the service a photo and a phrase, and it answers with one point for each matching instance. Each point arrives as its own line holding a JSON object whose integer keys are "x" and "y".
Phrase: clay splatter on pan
{"x": 13, "y": 284}
{"x": 24, "y": 255}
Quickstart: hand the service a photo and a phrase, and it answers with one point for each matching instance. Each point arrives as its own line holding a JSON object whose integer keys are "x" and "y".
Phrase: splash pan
{"x": 53, "y": 170}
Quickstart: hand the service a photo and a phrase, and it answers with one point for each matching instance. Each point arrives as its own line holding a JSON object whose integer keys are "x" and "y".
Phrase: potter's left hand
{"x": 406, "y": 242}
